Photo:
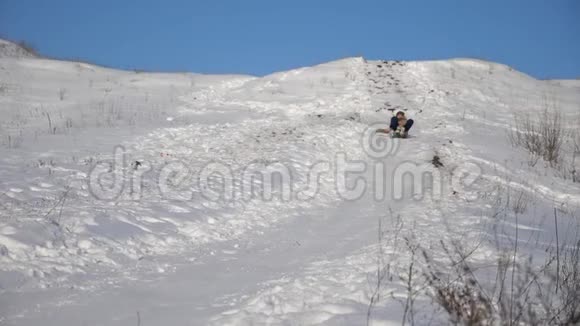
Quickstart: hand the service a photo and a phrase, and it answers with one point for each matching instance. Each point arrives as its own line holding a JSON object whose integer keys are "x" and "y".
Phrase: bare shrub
{"x": 14, "y": 141}
{"x": 542, "y": 138}
{"x": 518, "y": 202}
{"x": 575, "y": 161}
{"x": 409, "y": 278}
{"x": 568, "y": 313}
{"x": 28, "y": 47}
{"x": 513, "y": 290}
{"x": 383, "y": 272}
{"x": 51, "y": 127}
{"x": 542, "y": 295}
{"x": 457, "y": 291}
{"x": 569, "y": 167}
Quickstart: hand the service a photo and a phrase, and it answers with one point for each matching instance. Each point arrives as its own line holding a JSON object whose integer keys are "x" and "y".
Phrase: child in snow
{"x": 395, "y": 124}
{"x": 401, "y": 131}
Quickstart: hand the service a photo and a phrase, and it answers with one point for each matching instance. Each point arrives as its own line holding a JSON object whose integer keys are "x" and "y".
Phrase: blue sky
{"x": 539, "y": 37}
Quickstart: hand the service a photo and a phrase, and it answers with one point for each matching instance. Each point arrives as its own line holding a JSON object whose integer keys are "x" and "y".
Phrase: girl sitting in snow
{"x": 399, "y": 125}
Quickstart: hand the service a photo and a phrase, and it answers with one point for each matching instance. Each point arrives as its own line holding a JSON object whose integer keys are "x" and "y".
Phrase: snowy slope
{"x": 173, "y": 255}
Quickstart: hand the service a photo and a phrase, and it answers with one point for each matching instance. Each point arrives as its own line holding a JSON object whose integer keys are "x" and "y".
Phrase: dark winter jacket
{"x": 394, "y": 123}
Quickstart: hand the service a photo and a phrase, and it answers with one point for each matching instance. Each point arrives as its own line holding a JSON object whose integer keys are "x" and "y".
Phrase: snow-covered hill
{"x": 128, "y": 197}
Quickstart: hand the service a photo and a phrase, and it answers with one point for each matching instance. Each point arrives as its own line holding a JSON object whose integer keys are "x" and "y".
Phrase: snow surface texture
{"x": 70, "y": 258}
